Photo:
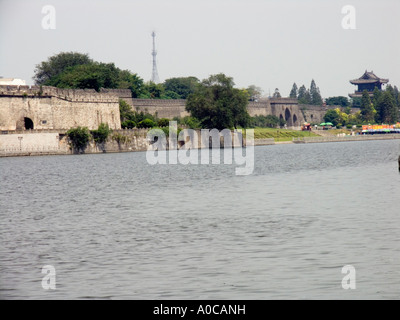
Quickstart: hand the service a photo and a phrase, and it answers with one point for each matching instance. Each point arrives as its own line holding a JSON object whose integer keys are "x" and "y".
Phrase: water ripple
{"x": 115, "y": 227}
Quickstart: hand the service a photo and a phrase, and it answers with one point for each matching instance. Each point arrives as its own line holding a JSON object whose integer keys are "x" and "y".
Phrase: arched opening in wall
{"x": 28, "y": 124}
{"x": 295, "y": 120}
{"x": 288, "y": 117}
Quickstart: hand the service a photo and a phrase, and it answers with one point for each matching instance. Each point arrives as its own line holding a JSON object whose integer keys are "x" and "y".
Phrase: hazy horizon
{"x": 270, "y": 43}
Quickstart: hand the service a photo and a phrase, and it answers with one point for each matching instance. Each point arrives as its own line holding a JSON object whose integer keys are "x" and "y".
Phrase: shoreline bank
{"x": 93, "y": 149}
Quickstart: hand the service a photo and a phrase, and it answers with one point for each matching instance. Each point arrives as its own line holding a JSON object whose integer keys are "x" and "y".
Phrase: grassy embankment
{"x": 281, "y": 134}
{"x": 335, "y": 132}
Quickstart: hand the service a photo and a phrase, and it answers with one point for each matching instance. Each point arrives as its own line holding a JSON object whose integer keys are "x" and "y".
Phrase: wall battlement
{"x": 168, "y": 108}
{"x": 18, "y": 90}
{"x": 77, "y": 95}
{"x": 34, "y": 107}
{"x": 158, "y": 102}
{"x": 283, "y": 101}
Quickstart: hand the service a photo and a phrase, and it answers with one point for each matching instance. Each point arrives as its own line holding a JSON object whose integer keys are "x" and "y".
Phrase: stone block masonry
{"x": 25, "y": 142}
{"x": 51, "y": 142}
{"x": 284, "y": 108}
{"x": 315, "y": 114}
{"x": 24, "y": 107}
{"x": 162, "y": 108}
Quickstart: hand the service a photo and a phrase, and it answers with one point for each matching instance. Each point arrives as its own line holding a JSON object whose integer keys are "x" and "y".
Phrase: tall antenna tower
{"x": 154, "y": 75}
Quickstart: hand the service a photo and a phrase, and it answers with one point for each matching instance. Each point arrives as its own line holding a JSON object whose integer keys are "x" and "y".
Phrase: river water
{"x": 115, "y": 227}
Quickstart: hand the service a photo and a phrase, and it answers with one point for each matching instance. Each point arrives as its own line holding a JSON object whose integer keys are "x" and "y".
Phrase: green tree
{"x": 388, "y": 112}
{"x": 343, "y": 119}
{"x": 355, "y": 118}
{"x": 269, "y": 121}
{"x": 88, "y": 76}
{"x": 125, "y": 111}
{"x": 396, "y": 95}
{"x": 131, "y": 118}
{"x": 302, "y": 93}
{"x": 332, "y": 116}
{"x": 390, "y": 89}
{"x": 153, "y": 90}
{"x": 293, "y": 92}
{"x": 276, "y": 94}
{"x": 79, "y": 138}
{"x": 367, "y": 108}
{"x": 129, "y": 80}
{"x": 304, "y": 96}
{"x": 217, "y": 104}
{"x": 140, "y": 116}
{"x": 128, "y": 124}
{"x": 347, "y": 110}
{"x": 377, "y": 95}
{"x": 77, "y": 71}
{"x": 147, "y": 123}
{"x": 355, "y": 102}
{"x": 254, "y": 92}
{"x": 316, "y": 98}
{"x": 308, "y": 98}
{"x": 171, "y": 95}
{"x": 163, "y": 122}
{"x": 394, "y": 92}
{"x": 189, "y": 122}
{"x": 101, "y": 134}
{"x": 337, "y": 101}
{"x": 57, "y": 64}
{"x": 182, "y": 86}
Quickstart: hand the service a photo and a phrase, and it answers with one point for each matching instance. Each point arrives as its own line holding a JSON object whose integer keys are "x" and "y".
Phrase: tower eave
{"x": 363, "y": 81}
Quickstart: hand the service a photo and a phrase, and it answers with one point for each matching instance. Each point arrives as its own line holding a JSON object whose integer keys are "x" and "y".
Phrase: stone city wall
{"x": 168, "y": 108}
{"x": 24, "y": 107}
{"x": 49, "y": 142}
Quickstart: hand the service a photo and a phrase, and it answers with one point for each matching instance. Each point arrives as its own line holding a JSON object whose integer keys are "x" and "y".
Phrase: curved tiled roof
{"x": 369, "y": 77}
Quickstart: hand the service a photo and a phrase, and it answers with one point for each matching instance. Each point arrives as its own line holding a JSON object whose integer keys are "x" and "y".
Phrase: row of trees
{"x": 213, "y": 102}
{"x": 341, "y": 118}
{"x": 79, "y": 137}
{"x": 78, "y": 71}
{"x": 338, "y": 101}
{"x": 134, "y": 119}
{"x": 307, "y": 96}
{"x": 383, "y": 107}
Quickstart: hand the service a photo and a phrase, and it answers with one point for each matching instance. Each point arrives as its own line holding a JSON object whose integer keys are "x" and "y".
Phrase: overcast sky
{"x": 268, "y": 43}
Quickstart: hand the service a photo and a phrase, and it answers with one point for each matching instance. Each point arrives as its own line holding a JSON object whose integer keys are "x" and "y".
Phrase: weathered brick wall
{"x": 30, "y": 142}
{"x": 315, "y": 114}
{"x": 53, "y": 108}
{"x": 39, "y": 142}
{"x": 163, "y": 108}
{"x": 287, "y": 108}
{"x": 124, "y": 94}
{"x": 262, "y": 108}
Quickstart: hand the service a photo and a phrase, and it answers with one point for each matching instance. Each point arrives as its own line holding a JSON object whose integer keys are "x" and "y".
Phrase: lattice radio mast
{"x": 154, "y": 75}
